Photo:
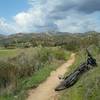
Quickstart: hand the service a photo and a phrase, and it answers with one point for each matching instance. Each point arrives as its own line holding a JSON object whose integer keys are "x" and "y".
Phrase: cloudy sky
{"x": 49, "y": 15}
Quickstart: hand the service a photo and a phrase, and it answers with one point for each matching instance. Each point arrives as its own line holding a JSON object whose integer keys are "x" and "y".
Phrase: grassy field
{"x": 42, "y": 60}
{"x": 88, "y": 86}
{"x": 9, "y": 52}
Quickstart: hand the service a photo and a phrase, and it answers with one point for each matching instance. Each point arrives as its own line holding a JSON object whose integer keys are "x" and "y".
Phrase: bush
{"x": 25, "y": 64}
{"x": 7, "y": 75}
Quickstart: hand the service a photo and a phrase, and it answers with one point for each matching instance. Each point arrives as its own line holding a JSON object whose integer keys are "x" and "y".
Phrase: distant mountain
{"x": 2, "y": 36}
{"x": 43, "y": 36}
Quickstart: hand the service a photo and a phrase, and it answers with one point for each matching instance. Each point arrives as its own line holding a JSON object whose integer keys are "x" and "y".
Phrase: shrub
{"x": 26, "y": 64}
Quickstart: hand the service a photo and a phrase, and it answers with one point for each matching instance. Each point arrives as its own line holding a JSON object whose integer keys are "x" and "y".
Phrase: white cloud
{"x": 6, "y": 27}
{"x": 77, "y": 22}
{"x": 61, "y": 15}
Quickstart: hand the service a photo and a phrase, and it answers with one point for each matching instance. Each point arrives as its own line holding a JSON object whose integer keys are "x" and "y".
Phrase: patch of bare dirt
{"x": 45, "y": 91}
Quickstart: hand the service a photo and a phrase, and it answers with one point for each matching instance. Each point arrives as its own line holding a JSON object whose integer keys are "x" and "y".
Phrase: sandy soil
{"x": 45, "y": 91}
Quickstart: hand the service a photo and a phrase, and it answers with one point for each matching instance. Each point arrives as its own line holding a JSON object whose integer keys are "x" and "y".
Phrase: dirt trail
{"x": 45, "y": 91}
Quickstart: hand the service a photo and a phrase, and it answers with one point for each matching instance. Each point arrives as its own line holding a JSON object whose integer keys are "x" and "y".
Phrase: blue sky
{"x": 49, "y": 15}
{"x": 9, "y": 8}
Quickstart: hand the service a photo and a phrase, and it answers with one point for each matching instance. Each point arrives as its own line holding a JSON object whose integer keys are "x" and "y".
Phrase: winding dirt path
{"x": 45, "y": 91}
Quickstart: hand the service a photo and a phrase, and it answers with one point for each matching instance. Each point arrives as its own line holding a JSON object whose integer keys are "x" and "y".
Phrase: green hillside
{"x": 27, "y": 69}
{"x": 88, "y": 86}
{"x": 28, "y": 59}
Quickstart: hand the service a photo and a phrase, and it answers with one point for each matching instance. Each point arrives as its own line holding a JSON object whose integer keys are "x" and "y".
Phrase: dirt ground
{"x": 45, "y": 91}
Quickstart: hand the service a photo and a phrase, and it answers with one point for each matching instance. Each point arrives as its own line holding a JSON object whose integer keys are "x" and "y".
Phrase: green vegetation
{"x": 28, "y": 59}
{"x": 71, "y": 42}
{"x": 88, "y": 87}
{"x": 8, "y": 52}
{"x": 28, "y": 69}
